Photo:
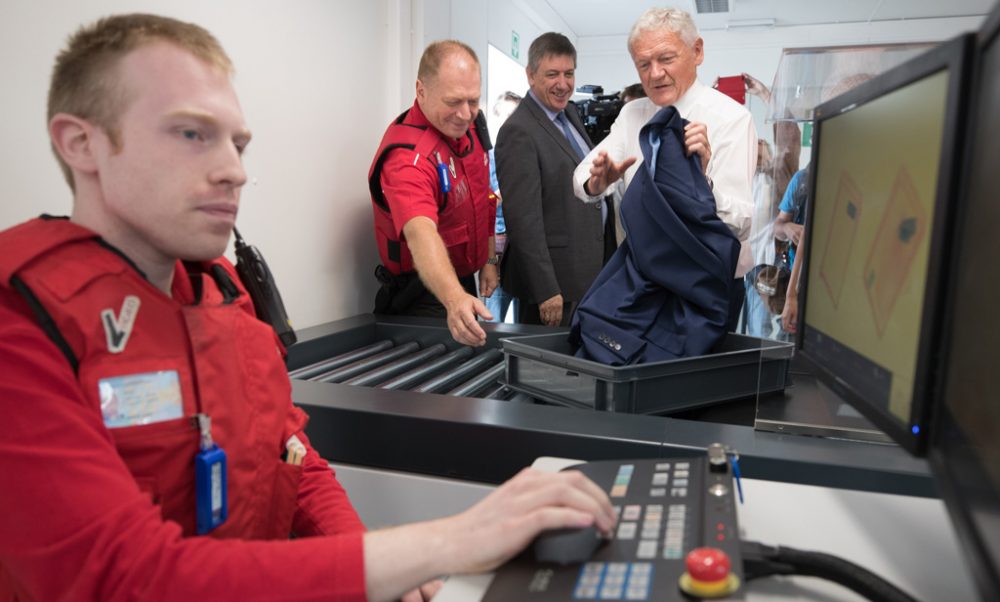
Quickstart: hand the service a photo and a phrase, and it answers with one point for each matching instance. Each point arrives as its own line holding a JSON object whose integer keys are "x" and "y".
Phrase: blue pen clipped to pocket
{"x": 443, "y": 175}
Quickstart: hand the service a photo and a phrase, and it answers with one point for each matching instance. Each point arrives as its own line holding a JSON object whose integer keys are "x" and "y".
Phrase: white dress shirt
{"x": 731, "y": 136}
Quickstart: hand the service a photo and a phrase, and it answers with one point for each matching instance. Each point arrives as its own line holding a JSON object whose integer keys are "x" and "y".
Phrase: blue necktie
{"x": 564, "y": 124}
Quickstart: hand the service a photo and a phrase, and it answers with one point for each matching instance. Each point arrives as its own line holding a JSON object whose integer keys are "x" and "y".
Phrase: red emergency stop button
{"x": 709, "y": 574}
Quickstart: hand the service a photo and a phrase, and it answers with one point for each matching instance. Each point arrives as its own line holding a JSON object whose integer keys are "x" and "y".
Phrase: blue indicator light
{"x": 915, "y": 429}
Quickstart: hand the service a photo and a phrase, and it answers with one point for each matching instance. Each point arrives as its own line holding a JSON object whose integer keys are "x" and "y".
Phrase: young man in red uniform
{"x": 130, "y": 353}
{"x": 433, "y": 207}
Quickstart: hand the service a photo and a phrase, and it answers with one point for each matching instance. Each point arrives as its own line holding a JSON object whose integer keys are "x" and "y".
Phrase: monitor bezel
{"x": 953, "y": 465}
{"x": 952, "y": 56}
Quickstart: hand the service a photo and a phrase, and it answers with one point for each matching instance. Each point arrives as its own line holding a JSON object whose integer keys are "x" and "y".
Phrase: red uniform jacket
{"x": 404, "y": 183}
{"x": 92, "y": 512}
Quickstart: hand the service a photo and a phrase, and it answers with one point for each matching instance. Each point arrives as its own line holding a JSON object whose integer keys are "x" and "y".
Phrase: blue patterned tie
{"x": 564, "y": 124}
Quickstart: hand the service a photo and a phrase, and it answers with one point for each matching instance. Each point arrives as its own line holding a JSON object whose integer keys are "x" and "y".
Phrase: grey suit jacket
{"x": 555, "y": 242}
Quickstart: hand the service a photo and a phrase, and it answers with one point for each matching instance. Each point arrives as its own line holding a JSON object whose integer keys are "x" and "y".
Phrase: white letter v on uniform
{"x": 118, "y": 328}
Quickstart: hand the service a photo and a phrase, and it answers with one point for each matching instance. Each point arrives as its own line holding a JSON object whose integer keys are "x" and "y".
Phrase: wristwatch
{"x": 493, "y": 260}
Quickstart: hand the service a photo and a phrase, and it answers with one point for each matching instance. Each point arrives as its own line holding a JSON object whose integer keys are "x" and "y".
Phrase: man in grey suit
{"x": 556, "y": 245}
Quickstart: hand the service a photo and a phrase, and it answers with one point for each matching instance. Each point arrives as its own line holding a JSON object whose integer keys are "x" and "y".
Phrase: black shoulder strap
{"x": 483, "y": 132}
{"x": 375, "y": 180}
{"x": 46, "y": 322}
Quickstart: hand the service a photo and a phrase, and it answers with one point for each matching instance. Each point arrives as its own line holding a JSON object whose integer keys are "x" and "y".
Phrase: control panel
{"x": 676, "y": 531}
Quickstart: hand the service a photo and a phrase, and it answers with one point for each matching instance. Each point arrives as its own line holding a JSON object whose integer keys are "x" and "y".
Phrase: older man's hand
{"x": 604, "y": 172}
{"x": 696, "y": 141}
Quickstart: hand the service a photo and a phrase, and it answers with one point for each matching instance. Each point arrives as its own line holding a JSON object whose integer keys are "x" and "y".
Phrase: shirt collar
{"x": 417, "y": 117}
{"x": 181, "y": 289}
{"x": 691, "y": 98}
{"x": 552, "y": 114}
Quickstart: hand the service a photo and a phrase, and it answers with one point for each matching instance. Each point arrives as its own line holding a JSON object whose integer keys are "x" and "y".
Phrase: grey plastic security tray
{"x": 544, "y": 367}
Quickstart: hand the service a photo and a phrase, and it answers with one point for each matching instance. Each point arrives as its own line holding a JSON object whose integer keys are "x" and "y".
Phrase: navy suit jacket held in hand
{"x": 665, "y": 292}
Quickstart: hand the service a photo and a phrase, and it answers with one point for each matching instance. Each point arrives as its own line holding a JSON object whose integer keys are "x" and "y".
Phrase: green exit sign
{"x": 515, "y": 45}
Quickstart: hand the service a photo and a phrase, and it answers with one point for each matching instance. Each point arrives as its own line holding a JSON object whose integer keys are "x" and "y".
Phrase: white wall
{"x": 312, "y": 79}
{"x": 480, "y": 23}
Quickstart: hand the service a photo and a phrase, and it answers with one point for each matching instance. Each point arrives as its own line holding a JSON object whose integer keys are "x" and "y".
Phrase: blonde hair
{"x": 84, "y": 81}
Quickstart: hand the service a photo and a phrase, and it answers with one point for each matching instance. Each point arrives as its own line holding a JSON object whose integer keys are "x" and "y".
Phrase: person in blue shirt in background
{"x": 791, "y": 213}
{"x": 500, "y": 301}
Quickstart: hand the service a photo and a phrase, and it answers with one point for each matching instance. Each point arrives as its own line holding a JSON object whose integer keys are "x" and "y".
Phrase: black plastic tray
{"x": 544, "y": 367}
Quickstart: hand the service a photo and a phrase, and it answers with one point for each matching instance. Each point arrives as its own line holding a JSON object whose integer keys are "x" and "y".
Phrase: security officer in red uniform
{"x": 434, "y": 211}
{"x": 130, "y": 359}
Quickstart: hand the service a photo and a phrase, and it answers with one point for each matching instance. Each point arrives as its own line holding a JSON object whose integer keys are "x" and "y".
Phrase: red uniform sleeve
{"x": 75, "y": 526}
{"x": 323, "y": 505}
{"x": 410, "y": 185}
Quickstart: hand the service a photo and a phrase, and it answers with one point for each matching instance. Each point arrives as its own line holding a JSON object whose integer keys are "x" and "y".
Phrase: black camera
{"x": 599, "y": 111}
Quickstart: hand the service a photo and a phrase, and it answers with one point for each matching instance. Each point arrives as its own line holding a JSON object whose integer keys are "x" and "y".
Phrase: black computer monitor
{"x": 878, "y": 220}
{"x": 965, "y": 443}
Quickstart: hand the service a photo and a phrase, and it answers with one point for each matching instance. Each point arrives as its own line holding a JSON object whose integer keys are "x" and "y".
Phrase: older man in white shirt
{"x": 666, "y": 49}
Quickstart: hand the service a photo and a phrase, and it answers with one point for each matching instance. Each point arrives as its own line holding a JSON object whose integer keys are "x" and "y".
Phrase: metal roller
{"x": 422, "y": 373}
{"x": 382, "y": 373}
{"x": 369, "y": 363}
{"x": 332, "y": 363}
{"x": 497, "y": 391}
{"x": 485, "y": 379}
{"x": 449, "y": 379}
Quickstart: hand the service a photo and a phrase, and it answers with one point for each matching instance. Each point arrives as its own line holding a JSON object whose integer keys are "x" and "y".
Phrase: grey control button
{"x": 593, "y": 568}
{"x": 638, "y": 580}
{"x": 647, "y": 549}
{"x": 641, "y": 568}
{"x": 626, "y": 530}
{"x": 617, "y": 568}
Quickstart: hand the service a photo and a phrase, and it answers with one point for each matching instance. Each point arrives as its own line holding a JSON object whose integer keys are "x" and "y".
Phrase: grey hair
{"x": 549, "y": 43}
{"x": 508, "y": 96}
{"x": 674, "y": 20}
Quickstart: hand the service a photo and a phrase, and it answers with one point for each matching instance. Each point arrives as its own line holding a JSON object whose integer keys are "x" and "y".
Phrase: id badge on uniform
{"x": 136, "y": 399}
{"x": 211, "y": 507}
